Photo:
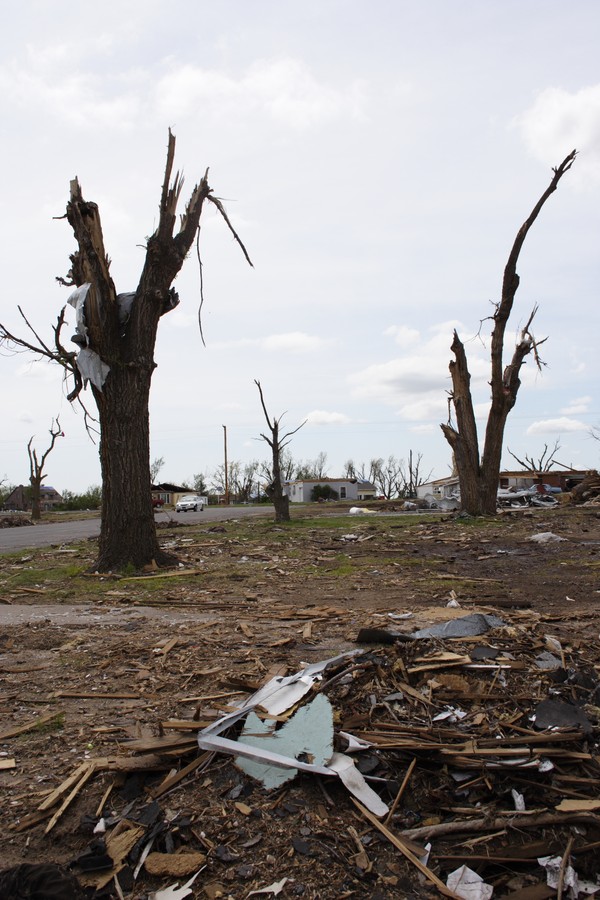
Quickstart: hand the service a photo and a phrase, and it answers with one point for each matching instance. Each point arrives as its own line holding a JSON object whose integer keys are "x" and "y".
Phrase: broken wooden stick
{"x": 401, "y": 846}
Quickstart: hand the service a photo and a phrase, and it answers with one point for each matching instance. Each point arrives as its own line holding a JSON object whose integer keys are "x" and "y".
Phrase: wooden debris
{"x": 31, "y": 726}
{"x": 401, "y": 846}
{"x": 175, "y": 865}
{"x": 88, "y": 771}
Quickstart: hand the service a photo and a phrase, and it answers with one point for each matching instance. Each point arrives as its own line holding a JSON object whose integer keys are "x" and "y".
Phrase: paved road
{"x": 44, "y": 535}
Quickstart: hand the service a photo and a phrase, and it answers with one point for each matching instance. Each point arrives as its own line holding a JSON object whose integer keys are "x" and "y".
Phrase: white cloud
{"x": 78, "y": 99}
{"x": 429, "y": 428}
{"x": 577, "y": 406}
{"x": 293, "y": 342}
{"x": 288, "y": 342}
{"x": 285, "y": 89}
{"x": 428, "y": 407}
{"x": 560, "y": 121}
{"x": 555, "y": 427}
{"x": 322, "y": 417}
{"x": 418, "y": 383}
{"x": 403, "y": 335}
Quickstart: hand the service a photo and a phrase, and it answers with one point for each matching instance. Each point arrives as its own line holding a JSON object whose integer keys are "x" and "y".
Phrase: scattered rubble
{"x": 212, "y": 756}
{"x": 588, "y": 491}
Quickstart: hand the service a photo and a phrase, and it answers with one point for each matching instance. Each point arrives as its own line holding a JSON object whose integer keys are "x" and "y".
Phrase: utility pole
{"x": 226, "y": 467}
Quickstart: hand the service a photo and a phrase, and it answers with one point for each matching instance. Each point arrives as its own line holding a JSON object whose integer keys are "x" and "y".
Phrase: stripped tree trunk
{"x": 479, "y": 477}
{"x": 122, "y": 337}
{"x": 128, "y": 531}
{"x": 277, "y": 443}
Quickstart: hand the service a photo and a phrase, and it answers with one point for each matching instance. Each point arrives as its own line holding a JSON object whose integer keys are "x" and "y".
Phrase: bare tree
{"x": 287, "y": 467}
{"x": 478, "y": 476}
{"x": 245, "y": 480}
{"x": 116, "y": 336}
{"x": 36, "y": 468}
{"x": 387, "y": 476}
{"x": 349, "y": 470}
{"x": 411, "y": 476}
{"x": 219, "y": 482}
{"x": 544, "y": 462}
{"x": 320, "y": 465}
{"x": 277, "y": 442}
{"x": 155, "y": 467}
{"x": 312, "y": 468}
{"x": 200, "y": 484}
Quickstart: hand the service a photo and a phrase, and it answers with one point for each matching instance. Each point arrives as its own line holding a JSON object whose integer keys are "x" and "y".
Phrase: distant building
{"x": 300, "y": 490}
{"x": 20, "y": 498}
{"x": 565, "y": 479}
{"x": 169, "y": 493}
{"x": 448, "y": 488}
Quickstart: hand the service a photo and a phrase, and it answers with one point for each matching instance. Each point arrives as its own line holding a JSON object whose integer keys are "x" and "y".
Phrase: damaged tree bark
{"x": 478, "y": 477}
{"x": 117, "y": 333}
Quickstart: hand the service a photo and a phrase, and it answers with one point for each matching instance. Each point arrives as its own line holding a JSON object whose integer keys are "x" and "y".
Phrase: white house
{"x": 300, "y": 490}
{"x": 439, "y": 489}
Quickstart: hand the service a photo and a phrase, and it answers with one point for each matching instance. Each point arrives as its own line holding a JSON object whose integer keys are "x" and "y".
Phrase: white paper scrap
{"x": 174, "y": 892}
{"x": 275, "y": 888}
{"x": 468, "y": 884}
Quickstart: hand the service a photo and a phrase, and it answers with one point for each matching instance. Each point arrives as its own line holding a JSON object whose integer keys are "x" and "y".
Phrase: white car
{"x": 189, "y": 502}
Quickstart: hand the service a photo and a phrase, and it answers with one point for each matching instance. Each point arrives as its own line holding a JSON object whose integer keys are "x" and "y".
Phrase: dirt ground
{"x": 108, "y": 679}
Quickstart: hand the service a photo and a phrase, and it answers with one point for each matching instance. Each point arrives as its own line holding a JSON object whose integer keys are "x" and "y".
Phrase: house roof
{"x": 528, "y": 473}
{"x": 171, "y": 488}
{"x": 361, "y": 481}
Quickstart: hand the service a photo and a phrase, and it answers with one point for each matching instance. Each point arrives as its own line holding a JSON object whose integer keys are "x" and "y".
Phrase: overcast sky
{"x": 376, "y": 158}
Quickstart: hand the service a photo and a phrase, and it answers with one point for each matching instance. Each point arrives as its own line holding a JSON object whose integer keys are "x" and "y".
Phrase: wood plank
{"x": 30, "y": 726}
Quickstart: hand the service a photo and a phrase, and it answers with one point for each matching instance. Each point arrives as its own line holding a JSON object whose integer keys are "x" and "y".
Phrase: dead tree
{"x": 277, "y": 443}
{"x": 478, "y": 476}
{"x": 541, "y": 465}
{"x": 36, "y": 469}
{"x": 116, "y": 334}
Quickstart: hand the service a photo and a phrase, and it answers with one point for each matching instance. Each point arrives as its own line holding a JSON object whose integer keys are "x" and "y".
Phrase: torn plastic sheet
{"x": 468, "y": 884}
{"x": 547, "y": 661}
{"x": 573, "y": 886}
{"x": 92, "y": 368}
{"x": 77, "y": 300}
{"x": 451, "y": 714}
{"x": 124, "y": 303}
{"x": 355, "y": 744}
{"x": 558, "y": 714}
{"x": 90, "y": 365}
{"x": 465, "y": 626}
{"x": 518, "y": 800}
{"x": 546, "y": 537}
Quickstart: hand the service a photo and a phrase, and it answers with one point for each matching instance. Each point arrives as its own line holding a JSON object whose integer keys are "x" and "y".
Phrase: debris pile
{"x": 464, "y": 756}
{"x": 588, "y": 492}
